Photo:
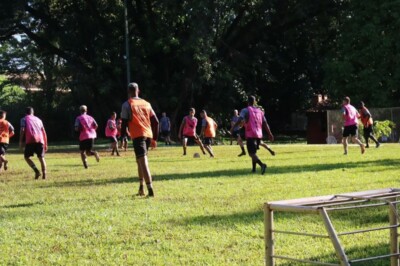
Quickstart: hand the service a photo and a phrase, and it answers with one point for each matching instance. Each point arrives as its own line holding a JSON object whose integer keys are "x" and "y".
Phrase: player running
{"x": 368, "y": 123}
{"x": 86, "y": 126}
{"x": 208, "y": 130}
{"x": 187, "y": 130}
{"x": 6, "y": 132}
{"x": 350, "y": 118}
{"x": 254, "y": 123}
{"x": 138, "y": 115}
{"x": 33, "y": 131}
{"x": 165, "y": 128}
{"x": 236, "y": 133}
{"x": 112, "y": 132}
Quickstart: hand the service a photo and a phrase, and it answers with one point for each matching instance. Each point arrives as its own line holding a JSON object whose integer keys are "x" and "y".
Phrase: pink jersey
{"x": 189, "y": 129}
{"x": 254, "y": 124}
{"x": 351, "y": 118}
{"x": 33, "y": 130}
{"x": 87, "y": 127}
{"x": 111, "y": 128}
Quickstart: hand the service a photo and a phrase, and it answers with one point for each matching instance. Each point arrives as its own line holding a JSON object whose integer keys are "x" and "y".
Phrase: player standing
{"x": 368, "y": 123}
{"x": 86, "y": 126}
{"x": 254, "y": 123}
{"x": 208, "y": 130}
{"x": 187, "y": 130}
{"x": 6, "y": 132}
{"x": 112, "y": 132}
{"x": 165, "y": 128}
{"x": 236, "y": 133}
{"x": 350, "y": 118}
{"x": 33, "y": 131}
{"x": 138, "y": 115}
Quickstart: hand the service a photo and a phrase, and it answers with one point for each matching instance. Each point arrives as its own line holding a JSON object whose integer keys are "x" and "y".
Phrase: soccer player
{"x": 254, "y": 123}
{"x": 208, "y": 130}
{"x": 33, "y": 131}
{"x": 138, "y": 115}
{"x": 237, "y": 131}
{"x": 111, "y": 133}
{"x": 123, "y": 138}
{"x": 187, "y": 130}
{"x": 6, "y": 132}
{"x": 165, "y": 128}
{"x": 368, "y": 123}
{"x": 350, "y": 118}
{"x": 86, "y": 126}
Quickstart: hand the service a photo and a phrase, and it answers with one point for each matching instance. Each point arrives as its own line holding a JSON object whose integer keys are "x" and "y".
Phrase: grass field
{"x": 206, "y": 211}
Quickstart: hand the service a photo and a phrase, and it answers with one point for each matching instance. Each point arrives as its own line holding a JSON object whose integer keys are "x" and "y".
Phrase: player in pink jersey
{"x": 32, "y": 130}
{"x": 112, "y": 132}
{"x": 187, "y": 130}
{"x": 350, "y": 118}
{"x": 86, "y": 126}
{"x": 254, "y": 123}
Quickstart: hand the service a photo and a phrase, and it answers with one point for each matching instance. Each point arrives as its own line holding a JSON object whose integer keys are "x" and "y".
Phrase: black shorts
{"x": 112, "y": 139}
{"x": 252, "y": 145}
{"x": 3, "y": 148}
{"x": 208, "y": 141}
{"x": 34, "y": 148}
{"x": 350, "y": 130}
{"x": 368, "y": 131}
{"x": 141, "y": 146}
{"x": 236, "y": 133}
{"x": 165, "y": 133}
{"x": 86, "y": 145}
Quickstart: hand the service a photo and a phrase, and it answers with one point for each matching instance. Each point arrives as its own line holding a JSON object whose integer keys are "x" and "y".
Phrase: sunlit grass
{"x": 206, "y": 211}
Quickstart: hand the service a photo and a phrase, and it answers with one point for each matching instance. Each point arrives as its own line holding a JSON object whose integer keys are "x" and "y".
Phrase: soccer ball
{"x": 196, "y": 155}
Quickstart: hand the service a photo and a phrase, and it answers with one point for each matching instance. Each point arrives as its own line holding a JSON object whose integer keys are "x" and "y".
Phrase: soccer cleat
{"x": 44, "y": 175}
{"x": 37, "y": 174}
{"x": 140, "y": 193}
{"x": 272, "y": 152}
{"x": 85, "y": 165}
{"x": 151, "y": 193}
{"x": 241, "y": 154}
{"x": 263, "y": 168}
{"x": 6, "y": 167}
{"x": 96, "y": 154}
{"x": 377, "y": 146}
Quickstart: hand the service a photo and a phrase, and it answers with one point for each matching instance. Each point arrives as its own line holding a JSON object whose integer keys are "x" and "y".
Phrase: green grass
{"x": 206, "y": 211}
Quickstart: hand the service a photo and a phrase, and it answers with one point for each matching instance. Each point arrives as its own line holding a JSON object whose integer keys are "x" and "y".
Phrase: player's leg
{"x": 265, "y": 145}
{"x": 3, "y": 156}
{"x": 371, "y": 135}
{"x": 356, "y": 140}
{"x": 141, "y": 180}
{"x": 184, "y": 144}
{"x": 240, "y": 142}
{"x": 28, "y": 153}
{"x": 141, "y": 146}
{"x": 197, "y": 140}
{"x": 115, "y": 146}
{"x": 367, "y": 134}
{"x": 207, "y": 146}
{"x": 252, "y": 146}
{"x": 40, "y": 152}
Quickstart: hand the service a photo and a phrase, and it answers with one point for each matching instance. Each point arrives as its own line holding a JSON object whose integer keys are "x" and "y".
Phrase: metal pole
{"x": 127, "y": 55}
{"x": 394, "y": 243}
{"x": 344, "y": 261}
{"x": 269, "y": 235}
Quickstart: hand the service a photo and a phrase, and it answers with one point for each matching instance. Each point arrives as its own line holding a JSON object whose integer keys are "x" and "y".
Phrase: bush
{"x": 383, "y": 128}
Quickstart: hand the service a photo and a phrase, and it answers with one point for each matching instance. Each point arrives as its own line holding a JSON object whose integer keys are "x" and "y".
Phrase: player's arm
{"x": 22, "y": 133}
{"x": 45, "y": 139}
{"x": 77, "y": 125}
{"x": 169, "y": 124}
{"x": 344, "y": 113}
{"x": 266, "y": 127}
{"x": 203, "y": 127}
{"x": 126, "y": 115}
{"x": 181, "y": 128}
{"x": 154, "y": 124}
{"x": 237, "y": 123}
{"x": 95, "y": 125}
{"x": 10, "y": 130}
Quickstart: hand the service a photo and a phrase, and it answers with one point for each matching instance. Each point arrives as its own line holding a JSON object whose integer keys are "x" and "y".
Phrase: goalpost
{"x": 322, "y": 206}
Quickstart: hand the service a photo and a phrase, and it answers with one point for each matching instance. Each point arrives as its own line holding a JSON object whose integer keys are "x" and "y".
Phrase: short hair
{"x": 347, "y": 99}
{"x": 133, "y": 86}
{"x": 2, "y": 113}
{"x": 113, "y": 113}
{"x": 29, "y": 110}
{"x": 251, "y": 99}
{"x": 192, "y": 110}
{"x": 83, "y": 109}
{"x": 203, "y": 112}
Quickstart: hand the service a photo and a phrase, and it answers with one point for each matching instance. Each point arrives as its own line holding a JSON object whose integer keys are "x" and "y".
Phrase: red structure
{"x": 317, "y": 120}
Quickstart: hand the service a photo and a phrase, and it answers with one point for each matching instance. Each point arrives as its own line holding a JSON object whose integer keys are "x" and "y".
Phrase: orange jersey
{"x": 140, "y": 124}
{"x": 366, "y": 118}
{"x": 5, "y": 133}
{"x": 209, "y": 131}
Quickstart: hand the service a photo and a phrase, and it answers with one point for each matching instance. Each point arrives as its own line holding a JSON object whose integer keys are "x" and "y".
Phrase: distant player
{"x": 165, "y": 128}
{"x": 236, "y": 133}
{"x": 254, "y": 123}
{"x": 368, "y": 123}
{"x": 6, "y": 132}
{"x": 208, "y": 131}
{"x": 112, "y": 132}
{"x": 138, "y": 115}
{"x": 123, "y": 138}
{"x": 86, "y": 126}
{"x": 33, "y": 131}
{"x": 187, "y": 130}
{"x": 350, "y": 118}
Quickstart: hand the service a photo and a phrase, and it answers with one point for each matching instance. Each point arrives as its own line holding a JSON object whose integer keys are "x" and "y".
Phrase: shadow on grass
{"x": 21, "y": 205}
{"x": 231, "y": 173}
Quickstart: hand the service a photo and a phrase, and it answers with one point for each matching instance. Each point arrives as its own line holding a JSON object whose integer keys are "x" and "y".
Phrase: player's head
{"x": 361, "y": 105}
{"x": 203, "y": 113}
{"x": 251, "y": 100}
{"x": 113, "y": 115}
{"x": 235, "y": 112}
{"x": 29, "y": 110}
{"x": 164, "y": 114}
{"x": 83, "y": 109}
{"x": 192, "y": 111}
{"x": 3, "y": 114}
{"x": 119, "y": 121}
{"x": 133, "y": 89}
{"x": 346, "y": 100}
